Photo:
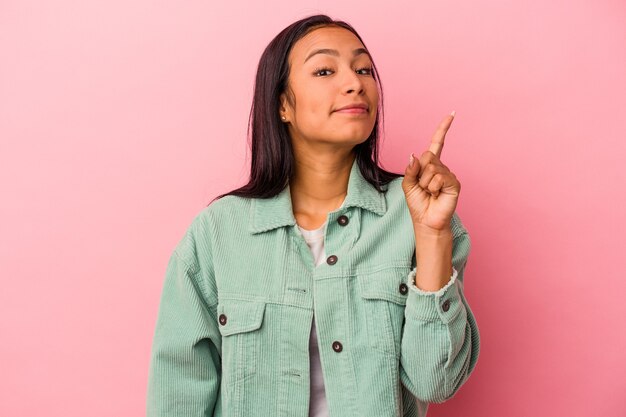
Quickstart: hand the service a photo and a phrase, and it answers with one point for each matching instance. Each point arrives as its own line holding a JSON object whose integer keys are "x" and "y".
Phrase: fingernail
{"x": 453, "y": 113}
{"x": 411, "y": 160}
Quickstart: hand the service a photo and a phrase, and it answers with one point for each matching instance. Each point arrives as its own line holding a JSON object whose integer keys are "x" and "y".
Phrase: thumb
{"x": 410, "y": 173}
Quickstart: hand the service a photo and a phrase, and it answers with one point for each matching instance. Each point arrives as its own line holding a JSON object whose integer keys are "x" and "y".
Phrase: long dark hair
{"x": 272, "y": 154}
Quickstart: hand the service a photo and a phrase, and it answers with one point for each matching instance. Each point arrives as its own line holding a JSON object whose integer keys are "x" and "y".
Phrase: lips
{"x": 354, "y": 108}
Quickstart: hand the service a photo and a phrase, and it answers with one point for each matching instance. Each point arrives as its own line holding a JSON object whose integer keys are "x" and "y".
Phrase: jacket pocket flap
{"x": 385, "y": 285}
{"x": 239, "y": 316}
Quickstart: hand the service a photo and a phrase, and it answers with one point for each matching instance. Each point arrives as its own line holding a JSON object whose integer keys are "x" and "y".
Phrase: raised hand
{"x": 430, "y": 188}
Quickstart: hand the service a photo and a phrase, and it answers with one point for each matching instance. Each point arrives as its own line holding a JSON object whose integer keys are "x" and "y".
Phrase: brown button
{"x": 331, "y": 260}
{"x": 403, "y": 288}
{"x": 446, "y": 305}
{"x": 337, "y": 347}
{"x": 222, "y": 319}
{"x": 343, "y": 220}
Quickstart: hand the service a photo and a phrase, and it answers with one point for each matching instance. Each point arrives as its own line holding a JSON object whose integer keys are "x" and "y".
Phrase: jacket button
{"x": 331, "y": 260}
{"x": 446, "y": 305}
{"x": 337, "y": 347}
{"x": 222, "y": 319}
{"x": 403, "y": 288}
{"x": 343, "y": 220}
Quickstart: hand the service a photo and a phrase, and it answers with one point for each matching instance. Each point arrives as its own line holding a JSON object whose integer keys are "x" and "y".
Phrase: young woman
{"x": 326, "y": 286}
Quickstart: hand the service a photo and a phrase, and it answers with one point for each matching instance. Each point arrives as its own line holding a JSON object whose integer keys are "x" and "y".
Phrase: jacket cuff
{"x": 443, "y": 304}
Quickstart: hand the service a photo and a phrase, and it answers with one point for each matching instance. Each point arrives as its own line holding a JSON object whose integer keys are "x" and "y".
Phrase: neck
{"x": 320, "y": 183}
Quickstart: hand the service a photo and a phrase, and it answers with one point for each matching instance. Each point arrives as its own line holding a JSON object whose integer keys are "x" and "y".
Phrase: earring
{"x": 284, "y": 118}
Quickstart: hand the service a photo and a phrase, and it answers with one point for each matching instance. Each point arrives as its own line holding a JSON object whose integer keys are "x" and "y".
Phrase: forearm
{"x": 433, "y": 254}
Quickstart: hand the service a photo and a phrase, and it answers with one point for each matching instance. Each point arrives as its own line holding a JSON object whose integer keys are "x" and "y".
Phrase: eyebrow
{"x": 334, "y": 52}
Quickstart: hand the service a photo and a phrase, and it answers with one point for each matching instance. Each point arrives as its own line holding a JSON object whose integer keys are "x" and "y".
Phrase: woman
{"x": 326, "y": 286}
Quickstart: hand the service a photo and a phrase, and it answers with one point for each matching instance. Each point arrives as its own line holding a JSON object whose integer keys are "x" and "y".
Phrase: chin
{"x": 353, "y": 139}
{"x": 357, "y": 135}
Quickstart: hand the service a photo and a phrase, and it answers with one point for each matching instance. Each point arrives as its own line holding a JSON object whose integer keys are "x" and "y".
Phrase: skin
{"x": 323, "y": 140}
{"x": 432, "y": 192}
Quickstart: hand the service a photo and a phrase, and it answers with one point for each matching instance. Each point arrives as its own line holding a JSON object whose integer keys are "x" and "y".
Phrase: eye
{"x": 318, "y": 70}
{"x": 368, "y": 70}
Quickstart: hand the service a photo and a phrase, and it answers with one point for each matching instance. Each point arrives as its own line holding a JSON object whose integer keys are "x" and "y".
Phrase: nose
{"x": 353, "y": 82}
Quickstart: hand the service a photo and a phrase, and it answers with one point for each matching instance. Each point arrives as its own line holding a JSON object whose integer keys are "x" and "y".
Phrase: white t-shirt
{"x": 318, "y": 407}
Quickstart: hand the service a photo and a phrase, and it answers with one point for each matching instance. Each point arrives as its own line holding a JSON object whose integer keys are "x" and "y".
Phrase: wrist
{"x": 433, "y": 254}
{"x": 427, "y": 230}
{"x": 429, "y": 237}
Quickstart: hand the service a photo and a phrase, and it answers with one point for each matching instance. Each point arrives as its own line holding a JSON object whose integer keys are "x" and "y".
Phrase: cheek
{"x": 313, "y": 103}
{"x": 315, "y": 110}
{"x": 373, "y": 92}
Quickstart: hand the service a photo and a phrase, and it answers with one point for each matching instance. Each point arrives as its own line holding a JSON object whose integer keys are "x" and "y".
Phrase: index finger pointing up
{"x": 436, "y": 143}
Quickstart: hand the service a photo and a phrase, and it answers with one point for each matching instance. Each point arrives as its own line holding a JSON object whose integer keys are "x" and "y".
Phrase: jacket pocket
{"x": 384, "y": 294}
{"x": 239, "y": 322}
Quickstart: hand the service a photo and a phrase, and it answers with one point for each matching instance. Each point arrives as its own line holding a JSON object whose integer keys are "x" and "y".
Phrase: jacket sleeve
{"x": 185, "y": 367}
{"x": 440, "y": 340}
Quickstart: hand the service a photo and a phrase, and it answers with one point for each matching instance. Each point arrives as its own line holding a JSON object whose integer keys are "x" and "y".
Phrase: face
{"x": 323, "y": 83}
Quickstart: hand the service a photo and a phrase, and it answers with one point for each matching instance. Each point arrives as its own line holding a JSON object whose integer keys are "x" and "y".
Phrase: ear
{"x": 284, "y": 106}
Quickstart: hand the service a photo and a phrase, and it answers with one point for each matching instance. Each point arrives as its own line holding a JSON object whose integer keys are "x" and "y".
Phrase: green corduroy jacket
{"x": 239, "y": 297}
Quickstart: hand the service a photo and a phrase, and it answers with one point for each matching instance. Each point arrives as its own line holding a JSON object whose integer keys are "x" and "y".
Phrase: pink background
{"x": 119, "y": 121}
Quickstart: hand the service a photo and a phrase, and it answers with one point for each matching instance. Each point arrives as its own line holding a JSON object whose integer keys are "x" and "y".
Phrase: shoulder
{"x": 210, "y": 224}
{"x": 224, "y": 210}
{"x": 395, "y": 194}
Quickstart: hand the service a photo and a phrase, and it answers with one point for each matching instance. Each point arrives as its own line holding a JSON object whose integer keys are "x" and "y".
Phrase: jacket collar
{"x": 269, "y": 213}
